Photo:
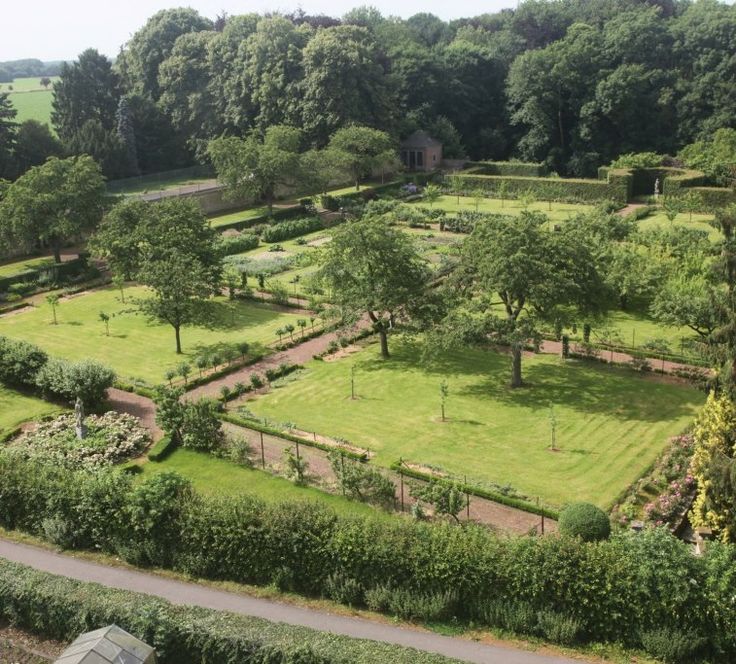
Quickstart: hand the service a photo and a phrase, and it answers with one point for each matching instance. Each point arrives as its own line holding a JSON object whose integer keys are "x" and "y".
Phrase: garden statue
{"x": 656, "y": 189}
{"x": 79, "y": 417}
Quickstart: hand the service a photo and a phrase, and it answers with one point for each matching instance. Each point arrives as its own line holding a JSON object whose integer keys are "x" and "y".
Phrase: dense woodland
{"x": 572, "y": 83}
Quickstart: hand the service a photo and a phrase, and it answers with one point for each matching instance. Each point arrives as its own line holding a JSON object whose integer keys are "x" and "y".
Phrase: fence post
{"x": 263, "y": 453}
{"x": 297, "y": 450}
{"x": 342, "y": 472}
{"x": 401, "y": 481}
{"x": 467, "y": 498}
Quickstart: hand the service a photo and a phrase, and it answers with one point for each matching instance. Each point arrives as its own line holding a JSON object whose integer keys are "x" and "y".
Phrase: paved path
{"x": 179, "y": 592}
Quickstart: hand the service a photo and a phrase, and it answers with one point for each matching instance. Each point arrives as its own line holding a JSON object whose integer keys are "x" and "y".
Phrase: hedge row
{"x": 255, "y": 425}
{"x": 278, "y": 215}
{"x": 58, "y": 273}
{"x": 291, "y": 229}
{"x": 617, "y": 590}
{"x": 617, "y": 187}
{"x": 479, "y": 491}
{"x": 236, "y": 244}
{"x": 715, "y": 197}
{"x": 60, "y": 608}
{"x": 508, "y": 168}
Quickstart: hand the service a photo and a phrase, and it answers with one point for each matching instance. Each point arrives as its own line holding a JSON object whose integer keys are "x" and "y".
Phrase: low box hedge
{"x": 163, "y": 448}
{"x": 481, "y": 492}
{"x": 254, "y": 425}
{"x": 59, "y": 608}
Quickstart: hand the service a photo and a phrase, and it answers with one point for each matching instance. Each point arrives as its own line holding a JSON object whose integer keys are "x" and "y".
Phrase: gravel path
{"x": 182, "y": 593}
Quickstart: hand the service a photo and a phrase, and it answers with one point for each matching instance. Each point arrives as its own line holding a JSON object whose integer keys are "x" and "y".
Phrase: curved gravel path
{"x": 179, "y": 592}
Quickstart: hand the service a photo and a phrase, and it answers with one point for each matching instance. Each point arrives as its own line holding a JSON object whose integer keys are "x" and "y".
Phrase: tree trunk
{"x": 56, "y": 246}
{"x": 384, "y": 343}
{"x": 516, "y": 366}
{"x": 177, "y": 329}
{"x": 623, "y": 301}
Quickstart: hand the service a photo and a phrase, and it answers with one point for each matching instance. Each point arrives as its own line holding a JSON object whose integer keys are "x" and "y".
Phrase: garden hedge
{"x": 617, "y": 187}
{"x": 508, "y": 168}
{"x": 59, "y": 273}
{"x": 60, "y": 608}
{"x": 278, "y": 215}
{"x": 287, "y": 230}
{"x": 615, "y": 590}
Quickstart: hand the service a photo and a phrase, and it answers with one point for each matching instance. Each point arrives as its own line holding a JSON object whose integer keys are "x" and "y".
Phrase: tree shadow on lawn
{"x": 576, "y": 384}
{"x": 233, "y": 315}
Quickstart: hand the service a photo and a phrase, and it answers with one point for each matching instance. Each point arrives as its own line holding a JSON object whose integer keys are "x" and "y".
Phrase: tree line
{"x": 572, "y": 83}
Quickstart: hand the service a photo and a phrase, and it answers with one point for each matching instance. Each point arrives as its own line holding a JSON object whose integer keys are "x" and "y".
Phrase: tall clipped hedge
{"x": 614, "y": 590}
{"x": 60, "y": 608}
{"x": 508, "y": 168}
{"x": 290, "y": 229}
{"x": 616, "y": 187}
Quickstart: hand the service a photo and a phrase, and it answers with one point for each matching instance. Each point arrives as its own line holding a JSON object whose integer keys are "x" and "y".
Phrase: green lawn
{"x": 211, "y": 475}
{"x": 559, "y": 211}
{"x": 611, "y": 423}
{"x": 17, "y": 267}
{"x": 137, "y": 348}
{"x": 30, "y": 99}
{"x": 699, "y": 222}
{"x": 241, "y": 215}
{"x": 16, "y": 408}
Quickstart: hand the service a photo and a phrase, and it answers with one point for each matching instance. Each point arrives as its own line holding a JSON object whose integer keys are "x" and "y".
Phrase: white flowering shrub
{"x": 110, "y": 438}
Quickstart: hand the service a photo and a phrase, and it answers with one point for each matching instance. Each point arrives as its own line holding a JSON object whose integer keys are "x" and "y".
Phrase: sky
{"x": 61, "y": 29}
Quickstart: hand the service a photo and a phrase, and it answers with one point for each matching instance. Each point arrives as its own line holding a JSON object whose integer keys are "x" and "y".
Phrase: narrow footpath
{"x": 179, "y": 592}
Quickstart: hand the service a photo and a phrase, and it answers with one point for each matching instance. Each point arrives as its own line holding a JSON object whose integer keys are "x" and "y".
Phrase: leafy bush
{"x": 20, "y": 362}
{"x": 672, "y": 646}
{"x": 586, "y": 521}
{"x": 88, "y": 380}
{"x": 363, "y": 482}
{"x": 517, "y": 617}
{"x": 559, "y": 628}
{"x": 201, "y": 427}
{"x": 343, "y": 589}
{"x": 293, "y": 228}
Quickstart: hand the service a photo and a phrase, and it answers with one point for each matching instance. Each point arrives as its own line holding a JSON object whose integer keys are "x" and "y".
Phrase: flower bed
{"x": 110, "y": 438}
{"x": 663, "y": 495}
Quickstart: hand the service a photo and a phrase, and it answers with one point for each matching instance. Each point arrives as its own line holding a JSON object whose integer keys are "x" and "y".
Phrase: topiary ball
{"x": 586, "y": 521}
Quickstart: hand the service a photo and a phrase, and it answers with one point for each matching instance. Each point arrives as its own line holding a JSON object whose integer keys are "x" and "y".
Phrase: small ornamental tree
{"x": 53, "y": 300}
{"x": 586, "y": 521}
{"x": 431, "y": 194}
{"x": 105, "y": 318}
{"x": 447, "y": 498}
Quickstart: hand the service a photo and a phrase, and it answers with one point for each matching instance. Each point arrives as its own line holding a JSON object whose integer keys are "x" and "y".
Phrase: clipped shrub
{"x": 163, "y": 448}
{"x": 290, "y": 229}
{"x": 236, "y": 244}
{"x": 586, "y": 521}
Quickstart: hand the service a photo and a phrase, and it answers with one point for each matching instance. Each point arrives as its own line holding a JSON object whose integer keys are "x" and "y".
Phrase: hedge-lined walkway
{"x": 192, "y": 594}
{"x": 488, "y": 512}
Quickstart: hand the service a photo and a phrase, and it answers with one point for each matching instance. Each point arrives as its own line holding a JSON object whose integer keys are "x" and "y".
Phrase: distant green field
{"x": 33, "y": 105}
{"x": 27, "y": 84}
